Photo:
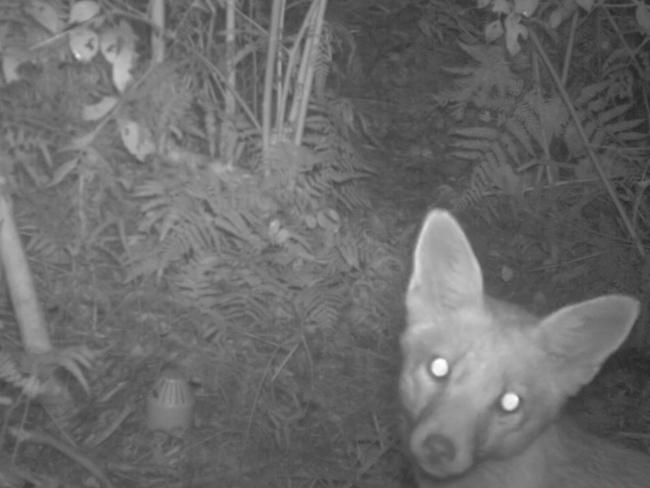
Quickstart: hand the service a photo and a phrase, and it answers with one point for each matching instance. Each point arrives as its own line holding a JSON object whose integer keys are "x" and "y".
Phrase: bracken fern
{"x": 513, "y": 146}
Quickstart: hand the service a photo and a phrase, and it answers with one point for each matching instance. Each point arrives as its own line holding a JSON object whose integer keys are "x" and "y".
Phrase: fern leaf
{"x": 521, "y": 133}
{"x": 476, "y": 132}
{"x": 468, "y": 155}
{"x": 510, "y": 146}
{"x": 590, "y": 92}
{"x": 472, "y": 144}
{"x": 624, "y": 126}
{"x": 499, "y": 153}
{"x": 606, "y": 116}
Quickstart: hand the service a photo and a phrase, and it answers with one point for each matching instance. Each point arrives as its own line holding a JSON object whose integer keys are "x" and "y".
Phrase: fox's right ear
{"x": 445, "y": 272}
{"x": 581, "y": 337}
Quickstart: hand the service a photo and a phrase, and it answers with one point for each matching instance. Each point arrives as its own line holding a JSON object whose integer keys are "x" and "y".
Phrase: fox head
{"x": 481, "y": 378}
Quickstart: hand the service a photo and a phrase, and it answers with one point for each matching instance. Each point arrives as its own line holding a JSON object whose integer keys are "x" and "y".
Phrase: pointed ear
{"x": 580, "y": 337}
{"x": 445, "y": 272}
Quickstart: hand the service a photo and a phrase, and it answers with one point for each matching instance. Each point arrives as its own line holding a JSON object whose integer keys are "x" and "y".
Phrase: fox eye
{"x": 509, "y": 402}
{"x": 439, "y": 368}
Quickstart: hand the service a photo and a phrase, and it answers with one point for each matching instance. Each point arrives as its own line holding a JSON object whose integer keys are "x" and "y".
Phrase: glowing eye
{"x": 510, "y": 402}
{"x": 439, "y": 368}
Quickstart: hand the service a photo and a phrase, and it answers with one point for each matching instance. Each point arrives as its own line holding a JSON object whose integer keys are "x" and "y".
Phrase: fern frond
{"x": 525, "y": 126}
{"x": 194, "y": 214}
{"x": 489, "y": 85}
{"x": 320, "y": 306}
{"x": 352, "y": 196}
{"x": 323, "y": 61}
{"x": 603, "y": 119}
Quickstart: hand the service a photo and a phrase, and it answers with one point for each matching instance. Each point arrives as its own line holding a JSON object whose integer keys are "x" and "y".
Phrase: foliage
{"x": 520, "y": 136}
{"x": 240, "y": 237}
{"x": 269, "y": 244}
{"x": 240, "y": 242}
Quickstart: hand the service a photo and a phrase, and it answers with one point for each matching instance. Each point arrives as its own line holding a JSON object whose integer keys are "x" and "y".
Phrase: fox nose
{"x": 439, "y": 448}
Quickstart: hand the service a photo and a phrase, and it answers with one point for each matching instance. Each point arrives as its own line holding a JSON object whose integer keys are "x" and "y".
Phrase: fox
{"x": 483, "y": 382}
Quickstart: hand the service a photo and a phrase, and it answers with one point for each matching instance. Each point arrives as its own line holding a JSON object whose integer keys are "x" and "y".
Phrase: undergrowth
{"x": 515, "y": 128}
{"x": 144, "y": 201}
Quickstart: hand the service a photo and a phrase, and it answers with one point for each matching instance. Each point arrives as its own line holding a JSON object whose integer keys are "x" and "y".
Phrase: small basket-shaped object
{"x": 170, "y": 403}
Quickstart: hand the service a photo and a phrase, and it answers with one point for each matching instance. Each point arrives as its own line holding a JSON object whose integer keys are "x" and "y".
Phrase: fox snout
{"x": 436, "y": 454}
{"x": 438, "y": 448}
{"x": 439, "y": 451}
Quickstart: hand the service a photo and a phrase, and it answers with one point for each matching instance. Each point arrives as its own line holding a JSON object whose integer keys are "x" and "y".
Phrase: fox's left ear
{"x": 580, "y": 337}
{"x": 446, "y": 273}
